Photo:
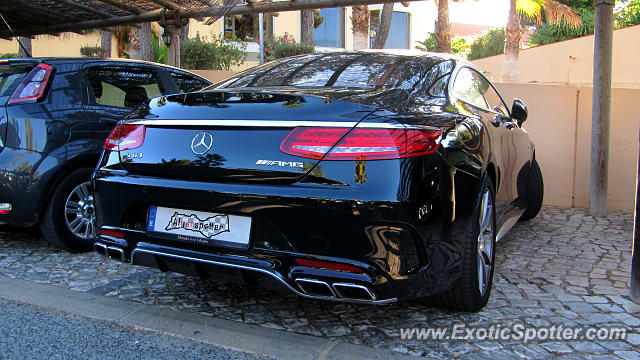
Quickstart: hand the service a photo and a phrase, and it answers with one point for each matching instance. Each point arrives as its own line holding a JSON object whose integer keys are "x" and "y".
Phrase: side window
{"x": 188, "y": 83}
{"x": 491, "y": 96}
{"x": 467, "y": 87}
{"x": 123, "y": 86}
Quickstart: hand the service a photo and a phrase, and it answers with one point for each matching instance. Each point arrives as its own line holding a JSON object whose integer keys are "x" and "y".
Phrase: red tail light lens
{"x": 125, "y": 137}
{"x": 112, "y": 233}
{"x": 328, "y": 265}
{"x": 360, "y": 143}
{"x": 34, "y": 86}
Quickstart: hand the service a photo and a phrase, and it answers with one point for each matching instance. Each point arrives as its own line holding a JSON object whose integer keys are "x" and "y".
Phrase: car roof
{"x": 54, "y": 59}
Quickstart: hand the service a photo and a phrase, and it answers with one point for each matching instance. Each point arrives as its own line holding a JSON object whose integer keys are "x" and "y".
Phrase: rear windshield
{"x": 10, "y": 78}
{"x": 345, "y": 70}
{"x": 422, "y": 78}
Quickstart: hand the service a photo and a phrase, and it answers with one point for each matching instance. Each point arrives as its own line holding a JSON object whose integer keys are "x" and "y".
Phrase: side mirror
{"x": 519, "y": 111}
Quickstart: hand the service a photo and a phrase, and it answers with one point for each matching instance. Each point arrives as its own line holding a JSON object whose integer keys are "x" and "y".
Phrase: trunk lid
{"x": 231, "y": 136}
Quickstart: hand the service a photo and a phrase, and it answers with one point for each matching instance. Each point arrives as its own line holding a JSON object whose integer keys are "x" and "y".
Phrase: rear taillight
{"x": 112, "y": 233}
{"x": 125, "y": 137}
{"x": 34, "y": 86}
{"x": 360, "y": 143}
{"x": 328, "y": 265}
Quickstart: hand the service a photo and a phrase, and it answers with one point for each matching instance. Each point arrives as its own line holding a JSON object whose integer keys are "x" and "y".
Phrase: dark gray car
{"x": 55, "y": 114}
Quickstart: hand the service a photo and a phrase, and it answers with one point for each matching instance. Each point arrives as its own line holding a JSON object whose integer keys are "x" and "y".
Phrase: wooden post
{"x": 601, "y": 110}
{"x": 261, "y": 37}
{"x": 635, "y": 261}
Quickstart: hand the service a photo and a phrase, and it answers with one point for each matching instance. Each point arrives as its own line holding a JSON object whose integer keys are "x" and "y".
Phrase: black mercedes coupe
{"x": 356, "y": 176}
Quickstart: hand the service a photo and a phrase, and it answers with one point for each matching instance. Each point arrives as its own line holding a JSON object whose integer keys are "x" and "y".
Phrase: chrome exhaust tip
{"x": 116, "y": 253}
{"x": 100, "y": 248}
{"x": 314, "y": 287}
{"x": 350, "y": 291}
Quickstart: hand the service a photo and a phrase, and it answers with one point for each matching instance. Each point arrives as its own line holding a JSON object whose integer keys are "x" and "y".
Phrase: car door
{"x": 473, "y": 89}
{"x": 187, "y": 82}
{"x": 114, "y": 90}
{"x": 516, "y": 146}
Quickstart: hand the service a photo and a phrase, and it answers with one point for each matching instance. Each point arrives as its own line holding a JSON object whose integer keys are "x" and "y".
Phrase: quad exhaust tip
{"x": 314, "y": 287}
{"x": 345, "y": 291}
{"x": 112, "y": 252}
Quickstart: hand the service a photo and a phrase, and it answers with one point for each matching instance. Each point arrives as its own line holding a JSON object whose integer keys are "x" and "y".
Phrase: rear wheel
{"x": 471, "y": 291}
{"x": 535, "y": 192}
{"x": 69, "y": 218}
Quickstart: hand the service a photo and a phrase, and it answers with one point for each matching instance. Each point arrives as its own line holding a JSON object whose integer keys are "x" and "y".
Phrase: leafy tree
{"x": 490, "y": 44}
{"x": 629, "y": 15}
{"x": 459, "y": 45}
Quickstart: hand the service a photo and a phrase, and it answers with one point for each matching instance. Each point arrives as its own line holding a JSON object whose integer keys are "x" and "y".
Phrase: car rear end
{"x": 320, "y": 197}
{"x": 22, "y": 81}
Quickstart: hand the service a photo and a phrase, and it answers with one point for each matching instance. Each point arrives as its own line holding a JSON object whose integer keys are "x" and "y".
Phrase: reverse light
{"x": 34, "y": 86}
{"x": 360, "y": 143}
{"x": 125, "y": 137}
{"x": 5, "y": 208}
{"x": 328, "y": 265}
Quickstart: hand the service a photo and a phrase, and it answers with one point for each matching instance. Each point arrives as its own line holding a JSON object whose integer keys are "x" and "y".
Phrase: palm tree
{"x": 24, "y": 50}
{"x": 145, "y": 38}
{"x": 385, "y": 25}
{"x": 105, "y": 43}
{"x": 360, "y": 25}
{"x": 443, "y": 30}
{"x": 555, "y": 13}
{"x": 307, "y": 25}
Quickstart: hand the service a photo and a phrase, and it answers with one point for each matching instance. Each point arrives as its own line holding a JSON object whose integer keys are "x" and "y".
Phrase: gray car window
{"x": 468, "y": 87}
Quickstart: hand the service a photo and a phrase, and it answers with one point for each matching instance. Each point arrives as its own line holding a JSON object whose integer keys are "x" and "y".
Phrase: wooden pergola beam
{"x": 42, "y": 10}
{"x": 83, "y": 7}
{"x": 124, "y": 6}
{"x": 160, "y": 14}
{"x": 167, "y": 4}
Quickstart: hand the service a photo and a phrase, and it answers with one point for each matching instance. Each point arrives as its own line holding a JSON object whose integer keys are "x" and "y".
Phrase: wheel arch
{"x": 81, "y": 161}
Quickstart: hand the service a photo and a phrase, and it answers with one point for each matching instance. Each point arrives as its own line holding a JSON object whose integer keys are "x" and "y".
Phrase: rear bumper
{"x": 23, "y": 178}
{"x": 246, "y": 270}
{"x": 401, "y": 257}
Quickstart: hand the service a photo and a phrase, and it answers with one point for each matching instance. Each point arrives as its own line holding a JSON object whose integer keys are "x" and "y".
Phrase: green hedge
{"x": 215, "y": 54}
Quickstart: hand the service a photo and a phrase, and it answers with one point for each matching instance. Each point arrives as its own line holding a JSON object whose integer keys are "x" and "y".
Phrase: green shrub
{"x": 91, "y": 51}
{"x": 217, "y": 54}
{"x": 459, "y": 45}
{"x": 285, "y": 46}
{"x": 8, "y": 55}
{"x": 490, "y": 44}
{"x": 286, "y": 50}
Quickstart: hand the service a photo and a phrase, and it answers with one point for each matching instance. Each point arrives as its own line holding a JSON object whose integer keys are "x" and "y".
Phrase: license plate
{"x": 200, "y": 227}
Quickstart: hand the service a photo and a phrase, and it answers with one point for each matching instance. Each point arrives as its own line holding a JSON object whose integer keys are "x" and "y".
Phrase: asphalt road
{"x": 30, "y": 332}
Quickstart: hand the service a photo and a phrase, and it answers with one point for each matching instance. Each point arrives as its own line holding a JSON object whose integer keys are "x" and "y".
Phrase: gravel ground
{"x": 563, "y": 268}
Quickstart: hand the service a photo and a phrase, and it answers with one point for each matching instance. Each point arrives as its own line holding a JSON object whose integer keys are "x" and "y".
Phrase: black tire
{"x": 466, "y": 293}
{"x": 54, "y": 223}
{"x": 535, "y": 192}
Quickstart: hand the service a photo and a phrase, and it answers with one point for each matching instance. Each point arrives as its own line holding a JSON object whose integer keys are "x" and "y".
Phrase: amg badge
{"x": 293, "y": 164}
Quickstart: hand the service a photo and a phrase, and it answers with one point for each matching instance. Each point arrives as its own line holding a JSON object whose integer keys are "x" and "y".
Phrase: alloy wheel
{"x": 485, "y": 242}
{"x": 80, "y": 214}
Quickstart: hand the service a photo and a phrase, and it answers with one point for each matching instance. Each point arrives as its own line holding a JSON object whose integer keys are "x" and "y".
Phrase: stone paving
{"x": 562, "y": 268}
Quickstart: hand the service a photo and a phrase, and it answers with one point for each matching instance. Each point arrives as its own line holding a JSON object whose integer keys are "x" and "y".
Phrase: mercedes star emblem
{"x": 201, "y": 143}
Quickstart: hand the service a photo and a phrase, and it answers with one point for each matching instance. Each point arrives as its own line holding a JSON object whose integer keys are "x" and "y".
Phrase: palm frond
{"x": 532, "y": 9}
{"x": 559, "y": 13}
